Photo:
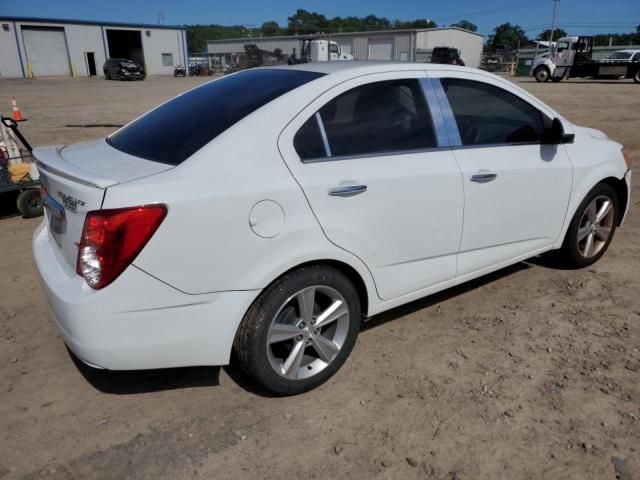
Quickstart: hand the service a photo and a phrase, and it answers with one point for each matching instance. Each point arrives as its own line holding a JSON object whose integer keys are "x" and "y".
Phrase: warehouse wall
{"x": 162, "y": 41}
{"x": 10, "y": 66}
{"x": 468, "y": 43}
{"x": 89, "y": 38}
{"x": 81, "y": 39}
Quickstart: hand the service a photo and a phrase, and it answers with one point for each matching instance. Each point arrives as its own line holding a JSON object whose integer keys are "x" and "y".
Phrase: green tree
{"x": 304, "y": 22}
{"x": 466, "y": 24}
{"x": 557, "y": 33}
{"x": 507, "y": 35}
{"x": 270, "y": 29}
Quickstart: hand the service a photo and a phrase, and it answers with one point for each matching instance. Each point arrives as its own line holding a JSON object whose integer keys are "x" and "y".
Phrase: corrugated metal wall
{"x": 82, "y": 39}
{"x": 360, "y": 48}
{"x": 10, "y": 66}
{"x": 468, "y": 43}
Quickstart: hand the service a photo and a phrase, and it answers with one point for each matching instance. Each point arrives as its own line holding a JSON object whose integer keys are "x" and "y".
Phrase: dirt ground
{"x": 533, "y": 372}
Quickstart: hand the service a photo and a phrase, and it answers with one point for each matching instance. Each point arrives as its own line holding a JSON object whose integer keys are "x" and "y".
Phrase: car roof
{"x": 365, "y": 66}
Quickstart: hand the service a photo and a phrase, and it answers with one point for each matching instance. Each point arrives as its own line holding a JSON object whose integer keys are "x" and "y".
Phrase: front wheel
{"x": 592, "y": 227}
{"x": 636, "y": 77}
{"x": 300, "y": 330}
{"x": 542, "y": 74}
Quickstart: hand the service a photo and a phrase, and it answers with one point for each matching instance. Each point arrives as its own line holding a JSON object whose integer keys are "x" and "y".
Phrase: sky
{"x": 575, "y": 16}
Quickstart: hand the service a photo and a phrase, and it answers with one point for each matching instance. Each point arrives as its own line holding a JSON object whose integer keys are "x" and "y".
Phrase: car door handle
{"x": 347, "y": 190}
{"x": 484, "y": 177}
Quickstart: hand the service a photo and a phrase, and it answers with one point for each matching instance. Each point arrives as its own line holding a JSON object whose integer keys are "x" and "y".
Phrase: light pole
{"x": 553, "y": 22}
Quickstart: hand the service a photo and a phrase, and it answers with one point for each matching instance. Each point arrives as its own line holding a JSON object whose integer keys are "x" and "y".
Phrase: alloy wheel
{"x": 596, "y": 226}
{"x": 308, "y": 332}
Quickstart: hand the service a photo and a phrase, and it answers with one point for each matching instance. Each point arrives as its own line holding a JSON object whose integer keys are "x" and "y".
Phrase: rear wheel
{"x": 592, "y": 227}
{"x": 300, "y": 330}
{"x": 542, "y": 74}
{"x": 29, "y": 203}
{"x": 636, "y": 77}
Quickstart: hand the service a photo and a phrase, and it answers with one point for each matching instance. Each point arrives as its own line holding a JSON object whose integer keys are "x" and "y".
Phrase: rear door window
{"x": 177, "y": 129}
{"x": 488, "y": 115}
{"x": 380, "y": 117}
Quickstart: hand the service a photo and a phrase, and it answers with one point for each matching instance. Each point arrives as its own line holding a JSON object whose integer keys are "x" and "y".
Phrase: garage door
{"x": 46, "y": 51}
{"x": 345, "y": 46}
{"x": 380, "y": 49}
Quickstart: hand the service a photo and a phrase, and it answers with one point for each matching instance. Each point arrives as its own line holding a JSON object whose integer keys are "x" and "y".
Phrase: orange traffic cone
{"x": 17, "y": 116}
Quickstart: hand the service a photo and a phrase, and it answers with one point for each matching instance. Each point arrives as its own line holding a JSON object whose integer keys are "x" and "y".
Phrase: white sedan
{"x": 268, "y": 212}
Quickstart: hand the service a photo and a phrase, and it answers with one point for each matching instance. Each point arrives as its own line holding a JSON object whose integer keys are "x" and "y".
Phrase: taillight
{"x": 112, "y": 239}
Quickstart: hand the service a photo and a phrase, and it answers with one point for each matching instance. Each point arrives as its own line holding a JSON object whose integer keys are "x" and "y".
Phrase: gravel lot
{"x": 533, "y": 372}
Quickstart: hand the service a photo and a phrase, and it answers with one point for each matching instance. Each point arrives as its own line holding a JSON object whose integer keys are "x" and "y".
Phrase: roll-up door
{"x": 46, "y": 49}
{"x": 380, "y": 49}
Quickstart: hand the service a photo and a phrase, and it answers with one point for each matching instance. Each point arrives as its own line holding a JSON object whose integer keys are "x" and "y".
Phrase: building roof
{"x": 89, "y": 22}
{"x": 343, "y": 34}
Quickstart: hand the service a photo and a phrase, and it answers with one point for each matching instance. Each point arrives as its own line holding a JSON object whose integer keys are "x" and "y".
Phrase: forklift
{"x": 571, "y": 57}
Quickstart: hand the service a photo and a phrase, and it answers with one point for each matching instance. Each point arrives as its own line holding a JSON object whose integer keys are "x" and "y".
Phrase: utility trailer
{"x": 18, "y": 171}
{"x": 571, "y": 57}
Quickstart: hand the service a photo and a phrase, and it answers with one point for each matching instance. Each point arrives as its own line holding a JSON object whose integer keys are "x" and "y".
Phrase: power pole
{"x": 553, "y": 21}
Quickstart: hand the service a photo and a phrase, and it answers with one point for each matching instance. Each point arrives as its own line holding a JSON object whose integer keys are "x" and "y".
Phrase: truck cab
{"x": 319, "y": 50}
{"x": 572, "y": 57}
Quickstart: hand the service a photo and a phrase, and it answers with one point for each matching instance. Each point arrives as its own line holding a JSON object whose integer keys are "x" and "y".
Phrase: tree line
{"x": 304, "y": 22}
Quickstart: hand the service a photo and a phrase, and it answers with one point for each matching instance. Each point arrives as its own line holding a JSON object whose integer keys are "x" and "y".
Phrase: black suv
{"x": 446, "y": 55}
{"x": 123, "y": 69}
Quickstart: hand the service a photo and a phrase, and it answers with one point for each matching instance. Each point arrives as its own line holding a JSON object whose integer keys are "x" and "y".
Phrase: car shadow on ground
{"x": 130, "y": 382}
{"x": 146, "y": 381}
{"x": 436, "y": 298}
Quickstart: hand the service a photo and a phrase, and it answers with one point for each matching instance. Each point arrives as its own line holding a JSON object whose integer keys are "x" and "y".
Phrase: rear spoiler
{"x": 49, "y": 159}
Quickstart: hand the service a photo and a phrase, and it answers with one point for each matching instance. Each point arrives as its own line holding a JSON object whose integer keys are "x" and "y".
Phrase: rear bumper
{"x": 138, "y": 322}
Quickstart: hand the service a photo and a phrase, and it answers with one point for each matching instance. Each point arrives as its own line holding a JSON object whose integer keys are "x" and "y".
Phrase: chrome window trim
{"x": 437, "y": 118}
{"x": 323, "y": 134}
{"x": 449, "y": 119}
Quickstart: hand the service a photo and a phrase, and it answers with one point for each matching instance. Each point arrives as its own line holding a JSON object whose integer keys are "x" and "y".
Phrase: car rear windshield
{"x": 177, "y": 129}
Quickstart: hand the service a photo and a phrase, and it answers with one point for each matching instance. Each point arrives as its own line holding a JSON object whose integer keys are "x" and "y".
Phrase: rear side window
{"x": 486, "y": 114}
{"x": 174, "y": 131}
{"x": 379, "y": 117}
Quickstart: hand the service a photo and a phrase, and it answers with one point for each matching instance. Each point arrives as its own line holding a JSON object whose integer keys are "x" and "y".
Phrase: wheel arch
{"x": 583, "y": 189}
{"x": 622, "y": 191}
{"x": 348, "y": 270}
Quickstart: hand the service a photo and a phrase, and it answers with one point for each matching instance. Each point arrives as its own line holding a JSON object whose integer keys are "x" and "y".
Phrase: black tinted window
{"x": 375, "y": 118}
{"x": 308, "y": 141}
{"x": 174, "y": 131}
{"x": 487, "y": 115}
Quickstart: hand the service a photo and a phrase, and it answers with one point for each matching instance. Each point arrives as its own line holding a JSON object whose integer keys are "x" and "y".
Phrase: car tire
{"x": 636, "y": 77}
{"x": 281, "y": 343}
{"x": 29, "y": 203}
{"x": 542, "y": 74}
{"x": 590, "y": 231}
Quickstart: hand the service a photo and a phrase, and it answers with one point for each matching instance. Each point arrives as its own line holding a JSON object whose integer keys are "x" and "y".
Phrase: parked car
{"x": 123, "y": 69}
{"x": 446, "y": 55}
{"x": 364, "y": 186}
{"x": 179, "y": 71}
{"x": 623, "y": 56}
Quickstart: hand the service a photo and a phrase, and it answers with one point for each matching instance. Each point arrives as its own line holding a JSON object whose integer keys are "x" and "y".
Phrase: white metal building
{"x": 413, "y": 45}
{"x": 39, "y": 47}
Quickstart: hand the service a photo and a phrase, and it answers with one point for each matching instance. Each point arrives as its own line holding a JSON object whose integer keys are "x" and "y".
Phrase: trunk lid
{"x": 74, "y": 180}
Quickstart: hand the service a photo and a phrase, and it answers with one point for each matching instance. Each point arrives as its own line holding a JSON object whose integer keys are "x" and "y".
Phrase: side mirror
{"x": 554, "y": 135}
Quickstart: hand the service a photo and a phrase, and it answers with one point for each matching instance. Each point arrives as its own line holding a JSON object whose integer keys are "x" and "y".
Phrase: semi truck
{"x": 571, "y": 57}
